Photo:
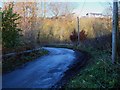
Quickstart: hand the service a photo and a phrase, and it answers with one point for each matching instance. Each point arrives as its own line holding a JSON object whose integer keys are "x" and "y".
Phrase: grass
{"x": 98, "y": 73}
{"x": 11, "y": 63}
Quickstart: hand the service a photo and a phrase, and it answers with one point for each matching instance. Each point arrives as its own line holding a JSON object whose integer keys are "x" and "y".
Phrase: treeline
{"x": 97, "y": 31}
{"x": 36, "y": 30}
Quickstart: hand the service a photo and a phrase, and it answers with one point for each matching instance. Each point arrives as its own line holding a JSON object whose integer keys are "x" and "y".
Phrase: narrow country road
{"x": 43, "y": 72}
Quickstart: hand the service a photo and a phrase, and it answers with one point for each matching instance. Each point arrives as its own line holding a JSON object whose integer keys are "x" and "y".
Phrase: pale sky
{"x": 81, "y": 7}
{"x": 58, "y": 0}
{"x": 91, "y": 7}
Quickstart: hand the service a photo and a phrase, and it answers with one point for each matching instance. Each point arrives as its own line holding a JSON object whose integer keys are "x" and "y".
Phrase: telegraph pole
{"x": 78, "y": 31}
{"x": 114, "y": 30}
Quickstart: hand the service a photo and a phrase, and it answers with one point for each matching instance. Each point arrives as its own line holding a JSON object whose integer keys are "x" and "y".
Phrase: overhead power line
{"x": 82, "y": 7}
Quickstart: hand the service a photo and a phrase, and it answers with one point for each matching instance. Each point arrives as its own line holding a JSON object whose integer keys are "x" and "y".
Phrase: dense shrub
{"x": 74, "y": 36}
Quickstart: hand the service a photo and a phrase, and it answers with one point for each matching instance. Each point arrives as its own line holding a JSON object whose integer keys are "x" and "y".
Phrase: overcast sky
{"x": 91, "y": 7}
{"x": 59, "y": 0}
{"x": 81, "y": 7}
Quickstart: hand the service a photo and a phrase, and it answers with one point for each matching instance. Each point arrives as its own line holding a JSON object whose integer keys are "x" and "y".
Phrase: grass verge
{"x": 12, "y": 62}
{"x": 99, "y": 72}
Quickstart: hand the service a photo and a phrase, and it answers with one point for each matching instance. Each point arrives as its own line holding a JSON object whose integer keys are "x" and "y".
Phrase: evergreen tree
{"x": 10, "y": 31}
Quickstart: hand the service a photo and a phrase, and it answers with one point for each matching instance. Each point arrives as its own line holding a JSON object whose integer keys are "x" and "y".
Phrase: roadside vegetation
{"x": 99, "y": 72}
{"x": 12, "y": 62}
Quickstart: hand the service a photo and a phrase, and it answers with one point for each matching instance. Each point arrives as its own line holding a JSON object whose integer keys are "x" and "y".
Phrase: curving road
{"x": 44, "y": 72}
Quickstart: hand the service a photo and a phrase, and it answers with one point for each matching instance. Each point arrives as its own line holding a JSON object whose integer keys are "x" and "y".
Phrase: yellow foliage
{"x": 59, "y": 30}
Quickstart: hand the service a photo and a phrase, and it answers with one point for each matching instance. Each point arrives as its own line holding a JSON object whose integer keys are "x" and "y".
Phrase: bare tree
{"x": 67, "y": 8}
{"x": 55, "y": 8}
{"x": 60, "y": 8}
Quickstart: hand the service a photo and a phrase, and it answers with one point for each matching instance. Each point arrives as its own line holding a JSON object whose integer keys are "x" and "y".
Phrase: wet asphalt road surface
{"x": 43, "y": 72}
